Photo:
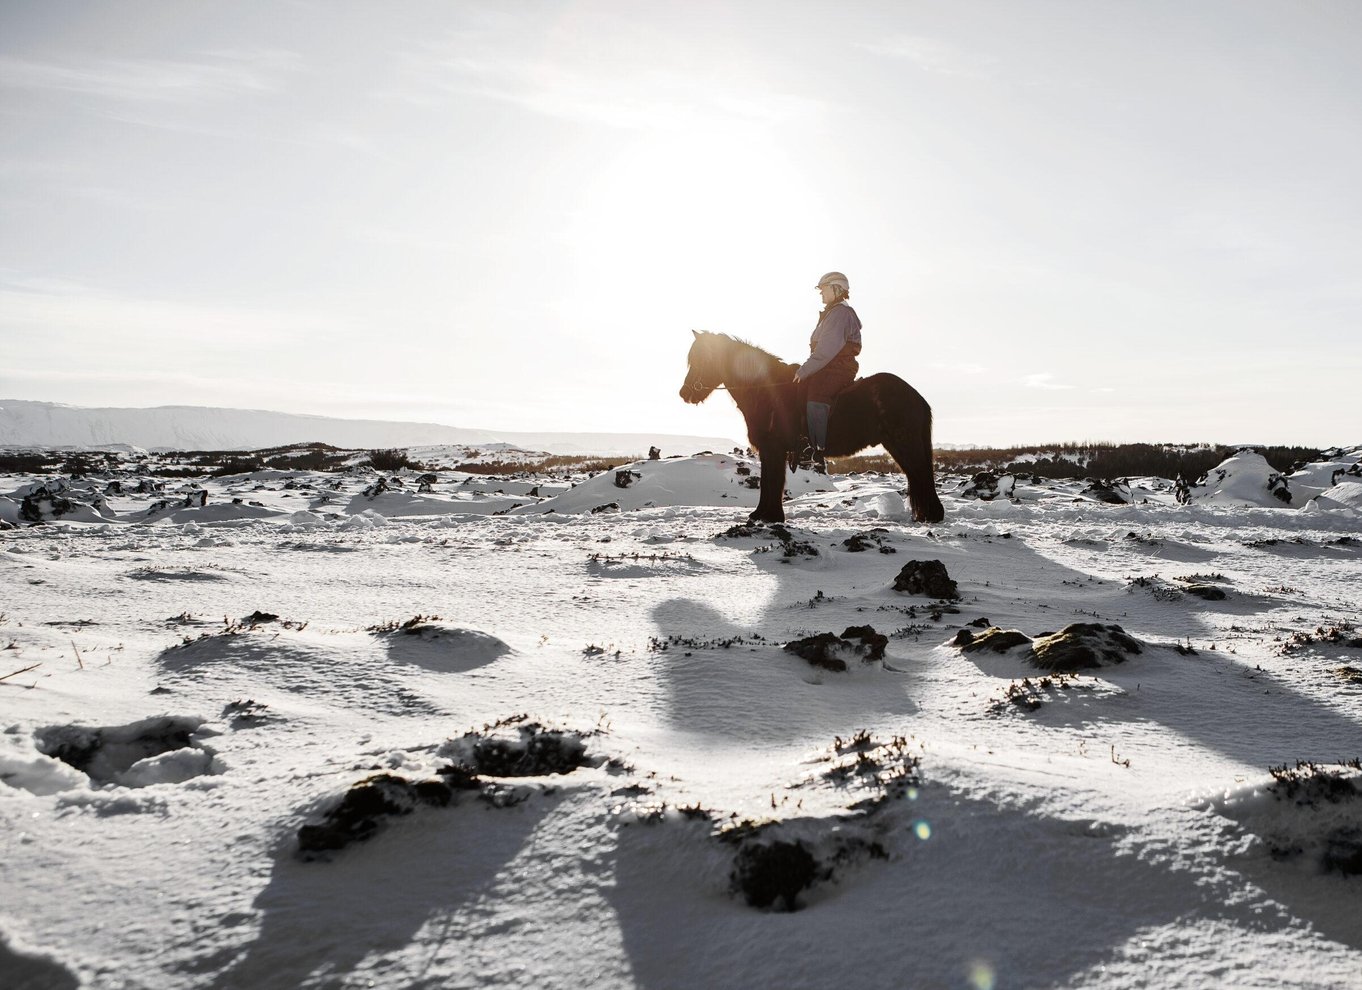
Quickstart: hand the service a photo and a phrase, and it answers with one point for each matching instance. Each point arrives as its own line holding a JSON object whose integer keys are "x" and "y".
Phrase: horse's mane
{"x": 754, "y": 350}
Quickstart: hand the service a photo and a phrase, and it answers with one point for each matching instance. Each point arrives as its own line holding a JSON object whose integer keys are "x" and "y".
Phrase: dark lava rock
{"x": 245, "y": 713}
{"x": 530, "y": 750}
{"x": 607, "y": 507}
{"x": 43, "y": 503}
{"x": 773, "y": 871}
{"x": 103, "y": 753}
{"x": 992, "y": 638}
{"x": 1083, "y": 645}
{"x": 789, "y": 545}
{"x": 361, "y": 811}
{"x": 873, "y": 539}
{"x": 623, "y": 479}
{"x": 1104, "y": 491}
{"x": 986, "y": 486}
{"x": 926, "y": 577}
{"x": 829, "y": 651}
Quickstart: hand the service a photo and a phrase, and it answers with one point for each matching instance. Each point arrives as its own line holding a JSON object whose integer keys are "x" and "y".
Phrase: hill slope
{"x": 51, "y": 424}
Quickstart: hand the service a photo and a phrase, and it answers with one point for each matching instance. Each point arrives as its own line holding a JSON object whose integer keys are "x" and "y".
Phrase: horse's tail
{"x": 922, "y": 497}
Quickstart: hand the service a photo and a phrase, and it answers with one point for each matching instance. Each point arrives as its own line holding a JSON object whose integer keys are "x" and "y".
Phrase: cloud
{"x": 214, "y": 75}
{"x": 62, "y": 310}
{"x": 652, "y": 87}
{"x": 959, "y": 367}
{"x": 1044, "y": 380}
{"x": 934, "y": 55}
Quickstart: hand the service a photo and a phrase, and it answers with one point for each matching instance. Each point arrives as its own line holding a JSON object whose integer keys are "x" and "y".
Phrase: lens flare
{"x": 922, "y": 830}
{"x": 982, "y": 976}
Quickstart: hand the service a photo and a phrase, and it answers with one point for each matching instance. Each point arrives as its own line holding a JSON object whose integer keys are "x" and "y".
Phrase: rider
{"x": 832, "y": 364}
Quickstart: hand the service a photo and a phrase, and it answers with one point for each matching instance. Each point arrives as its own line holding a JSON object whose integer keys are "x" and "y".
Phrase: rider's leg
{"x": 818, "y": 429}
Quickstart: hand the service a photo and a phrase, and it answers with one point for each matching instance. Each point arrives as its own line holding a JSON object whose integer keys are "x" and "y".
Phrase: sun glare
{"x": 687, "y": 209}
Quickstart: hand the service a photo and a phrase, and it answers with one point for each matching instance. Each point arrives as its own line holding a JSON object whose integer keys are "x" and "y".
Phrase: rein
{"x": 725, "y": 388}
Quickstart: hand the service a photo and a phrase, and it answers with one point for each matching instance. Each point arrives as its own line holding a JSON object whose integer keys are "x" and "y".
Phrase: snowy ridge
{"x": 49, "y": 424}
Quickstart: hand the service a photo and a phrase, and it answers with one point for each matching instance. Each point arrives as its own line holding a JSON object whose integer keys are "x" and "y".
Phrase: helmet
{"x": 834, "y": 278}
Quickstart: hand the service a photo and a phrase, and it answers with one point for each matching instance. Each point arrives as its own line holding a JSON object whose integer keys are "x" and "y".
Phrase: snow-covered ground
{"x": 310, "y": 730}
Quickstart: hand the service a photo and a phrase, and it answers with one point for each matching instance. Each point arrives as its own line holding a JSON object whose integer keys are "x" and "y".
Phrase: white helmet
{"x": 834, "y": 278}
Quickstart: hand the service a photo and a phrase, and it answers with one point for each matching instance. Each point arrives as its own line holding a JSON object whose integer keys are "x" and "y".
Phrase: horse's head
{"x": 706, "y": 368}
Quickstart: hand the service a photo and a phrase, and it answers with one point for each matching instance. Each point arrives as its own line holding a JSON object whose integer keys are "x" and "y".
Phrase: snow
{"x": 638, "y": 749}
{"x": 54, "y": 425}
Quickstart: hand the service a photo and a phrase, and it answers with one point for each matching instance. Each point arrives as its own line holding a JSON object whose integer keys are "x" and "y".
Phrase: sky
{"x": 1074, "y": 220}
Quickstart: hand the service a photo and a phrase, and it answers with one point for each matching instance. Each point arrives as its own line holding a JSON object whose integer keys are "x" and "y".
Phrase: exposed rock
{"x": 362, "y": 809}
{"x": 109, "y": 754}
{"x": 993, "y": 638}
{"x": 986, "y": 486}
{"x": 1112, "y": 493}
{"x": 1082, "y": 645}
{"x": 623, "y": 479}
{"x": 831, "y": 652}
{"x": 774, "y": 871}
{"x": 874, "y": 538}
{"x": 926, "y": 577}
{"x": 516, "y": 748}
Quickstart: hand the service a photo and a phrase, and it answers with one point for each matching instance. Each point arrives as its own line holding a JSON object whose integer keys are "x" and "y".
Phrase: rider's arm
{"x": 832, "y": 337}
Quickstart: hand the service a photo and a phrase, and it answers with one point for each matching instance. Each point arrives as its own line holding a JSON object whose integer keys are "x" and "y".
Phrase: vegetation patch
{"x": 363, "y": 809}
{"x": 1082, "y": 645}
{"x": 1339, "y": 634}
{"x": 517, "y": 747}
{"x": 789, "y": 545}
{"x": 512, "y": 747}
{"x": 414, "y": 626}
{"x": 873, "y": 539}
{"x": 1326, "y": 826}
{"x": 688, "y": 643}
{"x": 993, "y": 639}
{"x": 1029, "y": 695}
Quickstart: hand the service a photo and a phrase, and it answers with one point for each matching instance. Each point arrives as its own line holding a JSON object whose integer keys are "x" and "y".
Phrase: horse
{"x": 881, "y": 409}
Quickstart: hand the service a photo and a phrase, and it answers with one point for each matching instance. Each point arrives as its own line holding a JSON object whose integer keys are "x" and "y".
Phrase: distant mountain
{"x": 51, "y": 424}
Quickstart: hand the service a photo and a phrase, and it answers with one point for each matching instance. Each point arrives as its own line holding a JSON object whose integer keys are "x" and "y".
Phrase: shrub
{"x": 16, "y": 463}
{"x": 391, "y": 459}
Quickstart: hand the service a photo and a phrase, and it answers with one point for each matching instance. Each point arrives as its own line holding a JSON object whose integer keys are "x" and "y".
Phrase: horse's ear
{"x": 697, "y": 334}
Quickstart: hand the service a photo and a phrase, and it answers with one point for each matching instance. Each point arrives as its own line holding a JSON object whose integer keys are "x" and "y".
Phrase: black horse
{"x": 881, "y": 409}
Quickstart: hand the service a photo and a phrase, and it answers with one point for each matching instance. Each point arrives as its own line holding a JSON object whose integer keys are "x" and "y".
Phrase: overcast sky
{"x": 1078, "y": 220}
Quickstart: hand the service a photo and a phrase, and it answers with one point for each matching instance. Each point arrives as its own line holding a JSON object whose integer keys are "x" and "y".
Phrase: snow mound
{"x": 24, "y": 767}
{"x": 1320, "y": 476}
{"x": 159, "y": 750}
{"x": 441, "y": 647}
{"x": 702, "y": 479}
{"x": 1246, "y": 479}
{"x": 1310, "y": 816}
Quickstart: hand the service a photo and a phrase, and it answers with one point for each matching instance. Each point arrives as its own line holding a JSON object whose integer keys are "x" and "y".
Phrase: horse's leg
{"x": 771, "y": 507}
{"x": 914, "y": 455}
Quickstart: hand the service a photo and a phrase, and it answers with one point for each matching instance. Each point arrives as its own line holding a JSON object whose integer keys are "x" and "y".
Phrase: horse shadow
{"x": 1211, "y": 699}
{"x": 321, "y": 920}
{"x": 712, "y": 668}
{"x": 1030, "y": 919}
